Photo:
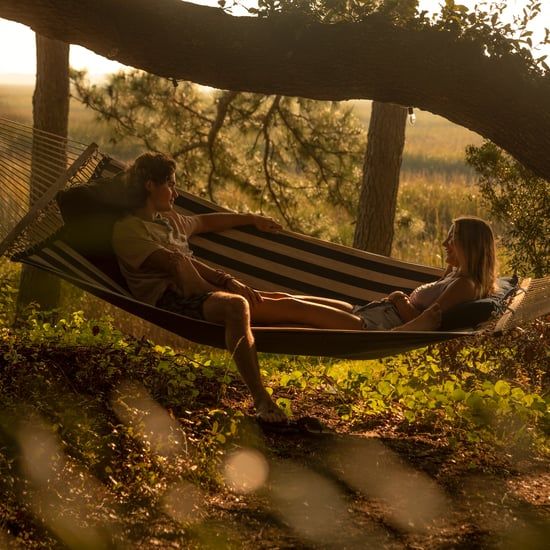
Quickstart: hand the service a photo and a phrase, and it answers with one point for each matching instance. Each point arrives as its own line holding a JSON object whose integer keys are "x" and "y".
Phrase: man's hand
{"x": 264, "y": 223}
{"x": 236, "y": 287}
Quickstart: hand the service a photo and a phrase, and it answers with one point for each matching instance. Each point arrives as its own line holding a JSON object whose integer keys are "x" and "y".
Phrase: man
{"x": 156, "y": 261}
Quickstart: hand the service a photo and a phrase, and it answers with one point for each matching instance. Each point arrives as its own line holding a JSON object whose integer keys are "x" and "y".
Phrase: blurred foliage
{"x": 9, "y": 286}
{"x": 521, "y": 201}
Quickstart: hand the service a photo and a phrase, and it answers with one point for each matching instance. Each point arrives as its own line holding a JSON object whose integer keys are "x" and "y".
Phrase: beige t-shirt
{"x": 135, "y": 239}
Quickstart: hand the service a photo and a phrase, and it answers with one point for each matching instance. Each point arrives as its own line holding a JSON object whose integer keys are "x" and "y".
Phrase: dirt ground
{"x": 372, "y": 489}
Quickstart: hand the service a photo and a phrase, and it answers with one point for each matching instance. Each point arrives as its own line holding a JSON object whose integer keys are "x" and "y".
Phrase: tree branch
{"x": 292, "y": 55}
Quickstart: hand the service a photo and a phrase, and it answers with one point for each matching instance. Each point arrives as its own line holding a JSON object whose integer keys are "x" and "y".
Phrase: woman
{"x": 470, "y": 275}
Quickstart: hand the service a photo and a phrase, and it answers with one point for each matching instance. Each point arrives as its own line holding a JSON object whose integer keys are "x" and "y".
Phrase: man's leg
{"x": 233, "y": 312}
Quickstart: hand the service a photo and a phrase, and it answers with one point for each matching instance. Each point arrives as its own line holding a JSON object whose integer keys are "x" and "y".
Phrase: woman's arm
{"x": 405, "y": 309}
{"x": 461, "y": 290}
{"x": 449, "y": 269}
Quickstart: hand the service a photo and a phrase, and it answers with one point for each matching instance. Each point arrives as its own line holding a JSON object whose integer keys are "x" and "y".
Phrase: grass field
{"x": 434, "y": 145}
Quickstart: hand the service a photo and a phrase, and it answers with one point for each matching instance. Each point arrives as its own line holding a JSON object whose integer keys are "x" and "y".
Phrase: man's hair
{"x": 155, "y": 167}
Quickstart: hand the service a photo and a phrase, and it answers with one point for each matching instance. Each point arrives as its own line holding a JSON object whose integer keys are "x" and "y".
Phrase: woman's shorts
{"x": 378, "y": 315}
{"x": 190, "y": 307}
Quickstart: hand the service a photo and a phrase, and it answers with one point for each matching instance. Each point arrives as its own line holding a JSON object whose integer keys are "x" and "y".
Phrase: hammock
{"x": 35, "y": 166}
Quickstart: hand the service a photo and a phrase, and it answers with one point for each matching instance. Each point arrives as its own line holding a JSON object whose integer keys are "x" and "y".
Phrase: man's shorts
{"x": 378, "y": 316}
{"x": 190, "y": 307}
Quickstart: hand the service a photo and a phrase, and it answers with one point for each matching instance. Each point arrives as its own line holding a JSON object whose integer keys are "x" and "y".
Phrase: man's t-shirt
{"x": 135, "y": 239}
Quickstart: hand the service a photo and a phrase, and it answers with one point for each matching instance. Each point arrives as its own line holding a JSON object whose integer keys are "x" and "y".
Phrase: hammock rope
{"x": 35, "y": 165}
{"x": 530, "y": 302}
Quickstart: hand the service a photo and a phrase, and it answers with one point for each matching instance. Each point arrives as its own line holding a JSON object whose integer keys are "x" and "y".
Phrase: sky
{"x": 19, "y": 65}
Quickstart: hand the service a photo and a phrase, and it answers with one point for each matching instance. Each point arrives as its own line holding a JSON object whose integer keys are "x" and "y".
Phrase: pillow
{"x": 472, "y": 314}
{"x": 89, "y": 211}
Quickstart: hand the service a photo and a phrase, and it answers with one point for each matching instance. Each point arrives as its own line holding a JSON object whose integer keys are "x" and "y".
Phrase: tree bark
{"x": 378, "y": 198}
{"x": 291, "y": 55}
{"x": 51, "y": 114}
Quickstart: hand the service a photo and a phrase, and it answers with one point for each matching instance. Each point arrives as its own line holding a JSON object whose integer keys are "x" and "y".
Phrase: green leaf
{"x": 459, "y": 394}
{"x": 285, "y": 404}
{"x": 502, "y": 388}
{"x": 385, "y": 388}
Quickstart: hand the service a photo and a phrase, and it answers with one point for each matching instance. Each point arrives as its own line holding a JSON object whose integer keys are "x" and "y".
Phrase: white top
{"x": 135, "y": 239}
{"x": 424, "y": 296}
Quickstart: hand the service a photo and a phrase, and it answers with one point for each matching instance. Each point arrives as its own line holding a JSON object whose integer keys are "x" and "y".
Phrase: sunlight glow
{"x": 245, "y": 471}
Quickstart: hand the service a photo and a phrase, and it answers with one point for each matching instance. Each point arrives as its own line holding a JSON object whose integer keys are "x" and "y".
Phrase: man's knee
{"x": 236, "y": 308}
{"x": 226, "y": 308}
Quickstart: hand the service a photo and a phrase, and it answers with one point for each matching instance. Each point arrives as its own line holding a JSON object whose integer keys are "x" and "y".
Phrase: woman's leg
{"x": 338, "y": 304}
{"x": 291, "y": 310}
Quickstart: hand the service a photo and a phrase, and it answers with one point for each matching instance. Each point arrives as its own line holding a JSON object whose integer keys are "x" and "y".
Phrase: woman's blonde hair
{"x": 476, "y": 239}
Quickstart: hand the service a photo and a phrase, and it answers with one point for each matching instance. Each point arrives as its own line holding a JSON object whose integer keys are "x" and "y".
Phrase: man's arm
{"x": 214, "y": 276}
{"x": 180, "y": 270}
{"x": 227, "y": 282}
{"x": 205, "y": 223}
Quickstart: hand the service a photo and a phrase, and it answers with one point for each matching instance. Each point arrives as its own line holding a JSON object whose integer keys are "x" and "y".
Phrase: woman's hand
{"x": 396, "y": 296}
{"x": 264, "y": 223}
{"x": 236, "y": 287}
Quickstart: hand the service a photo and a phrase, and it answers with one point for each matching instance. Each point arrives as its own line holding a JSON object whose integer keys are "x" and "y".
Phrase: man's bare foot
{"x": 429, "y": 319}
{"x": 268, "y": 411}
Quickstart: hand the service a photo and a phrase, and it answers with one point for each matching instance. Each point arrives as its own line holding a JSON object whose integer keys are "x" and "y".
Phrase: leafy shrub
{"x": 521, "y": 201}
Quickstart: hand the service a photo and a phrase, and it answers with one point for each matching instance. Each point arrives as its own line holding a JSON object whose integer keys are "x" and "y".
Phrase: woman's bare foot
{"x": 429, "y": 319}
{"x": 268, "y": 411}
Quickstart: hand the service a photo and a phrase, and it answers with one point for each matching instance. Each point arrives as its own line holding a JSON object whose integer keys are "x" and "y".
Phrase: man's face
{"x": 163, "y": 195}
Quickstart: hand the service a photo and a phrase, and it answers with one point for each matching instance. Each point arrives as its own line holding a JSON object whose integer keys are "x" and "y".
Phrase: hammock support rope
{"x": 35, "y": 165}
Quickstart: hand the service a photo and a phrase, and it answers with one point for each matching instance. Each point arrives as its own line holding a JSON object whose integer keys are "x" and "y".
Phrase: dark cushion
{"x": 472, "y": 314}
{"x": 89, "y": 211}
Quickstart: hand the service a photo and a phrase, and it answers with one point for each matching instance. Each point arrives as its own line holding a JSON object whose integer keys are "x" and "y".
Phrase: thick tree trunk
{"x": 378, "y": 197}
{"x": 290, "y": 55}
{"x": 51, "y": 114}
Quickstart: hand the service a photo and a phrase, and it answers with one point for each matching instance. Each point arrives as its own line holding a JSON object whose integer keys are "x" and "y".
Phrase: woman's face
{"x": 453, "y": 250}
